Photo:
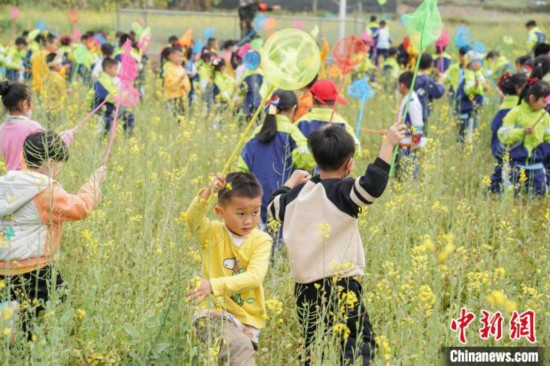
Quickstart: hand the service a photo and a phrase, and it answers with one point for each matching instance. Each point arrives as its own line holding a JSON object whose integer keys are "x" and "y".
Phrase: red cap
{"x": 324, "y": 90}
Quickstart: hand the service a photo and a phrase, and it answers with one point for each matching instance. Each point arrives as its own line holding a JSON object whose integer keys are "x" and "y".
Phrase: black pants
{"x": 316, "y": 302}
{"x": 32, "y": 290}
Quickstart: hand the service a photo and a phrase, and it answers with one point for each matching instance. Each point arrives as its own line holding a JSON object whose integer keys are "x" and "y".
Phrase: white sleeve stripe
{"x": 356, "y": 199}
{"x": 276, "y": 205}
{"x": 303, "y": 150}
{"x": 361, "y": 191}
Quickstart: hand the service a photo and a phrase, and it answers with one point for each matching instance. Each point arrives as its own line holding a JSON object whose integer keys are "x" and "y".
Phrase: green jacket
{"x": 517, "y": 120}
{"x": 13, "y": 59}
{"x": 474, "y": 82}
{"x": 453, "y": 75}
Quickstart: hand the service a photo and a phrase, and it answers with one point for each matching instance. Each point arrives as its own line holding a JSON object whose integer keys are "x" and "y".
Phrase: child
{"x": 325, "y": 95}
{"x": 172, "y": 42}
{"x": 497, "y": 65}
{"x": 534, "y": 36}
{"x": 372, "y": 30}
{"x": 520, "y": 64}
{"x": 66, "y": 52}
{"x": 510, "y": 86}
{"x": 17, "y": 125}
{"x": 383, "y": 41}
{"x": 54, "y": 88}
{"x": 235, "y": 258}
{"x": 455, "y": 72}
{"x": 107, "y": 51}
{"x": 276, "y": 148}
{"x": 325, "y": 263}
{"x": 413, "y": 120}
{"x": 212, "y": 46}
{"x": 524, "y": 129}
{"x": 470, "y": 96}
{"x": 105, "y": 89}
{"x": 176, "y": 82}
{"x": 35, "y": 221}
{"x": 390, "y": 69}
{"x": 249, "y": 88}
{"x": 49, "y": 44}
{"x": 15, "y": 68}
{"x": 223, "y": 83}
{"x": 426, "y": 88}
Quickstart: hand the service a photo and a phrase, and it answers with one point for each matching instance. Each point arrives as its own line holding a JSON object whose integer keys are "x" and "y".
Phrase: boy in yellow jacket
{"x": 235, "y": 257}
{"x": 176, "y": 82}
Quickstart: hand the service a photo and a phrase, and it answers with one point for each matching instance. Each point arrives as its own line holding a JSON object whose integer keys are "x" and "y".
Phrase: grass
{"x": 433, "y": 245}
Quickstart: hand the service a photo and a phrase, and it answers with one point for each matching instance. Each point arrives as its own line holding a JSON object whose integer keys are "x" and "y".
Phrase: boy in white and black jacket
{"x": 320, "y": 230}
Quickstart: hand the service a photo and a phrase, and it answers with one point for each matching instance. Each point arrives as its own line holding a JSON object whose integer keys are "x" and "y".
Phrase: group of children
{"x": 294, "y": 169}
{"x": 52, "y": 65}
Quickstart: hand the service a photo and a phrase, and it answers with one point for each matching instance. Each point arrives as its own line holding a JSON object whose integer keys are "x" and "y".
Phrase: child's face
{"x": 241, "y": 214}
{"x": 53, "y": 45}
{"x": 176, "y": 57}
{"x": 21, "y": 47}
{"x": 56, "y": 68}
{"x": 111, "y": 70}
{"x": 537, "y": 103}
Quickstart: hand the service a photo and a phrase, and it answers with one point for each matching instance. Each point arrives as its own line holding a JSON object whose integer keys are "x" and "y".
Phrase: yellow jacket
{"x": 54, "y": 92}
{"x": 176, "y": 82}
{"x": 236, "y": 274}
{"x": 39, "y": 69}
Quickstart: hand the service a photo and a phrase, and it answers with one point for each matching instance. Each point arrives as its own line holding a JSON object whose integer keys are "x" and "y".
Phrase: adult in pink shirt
{"x": 18, "y": 124}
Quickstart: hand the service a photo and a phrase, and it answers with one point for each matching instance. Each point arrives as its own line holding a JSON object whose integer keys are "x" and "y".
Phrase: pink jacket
{"x": 13, "y": 133}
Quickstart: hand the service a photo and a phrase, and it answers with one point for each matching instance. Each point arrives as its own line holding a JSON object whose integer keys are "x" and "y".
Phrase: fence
{"x": 165, "y": 23}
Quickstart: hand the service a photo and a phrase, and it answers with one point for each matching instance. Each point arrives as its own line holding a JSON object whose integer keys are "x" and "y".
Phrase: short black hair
{"x": 521, "y": 60}
{"x": 426, "y": 61}
{"x": 41, "y": 146}
{"x": 107, "y": 61}
{"x": 462, "y": 51}
{"x": 542, "y": 49}
{"x": 173, "y": 49}
{"x": 228, "y": 44}
{"x": 492, "y": 54}
{"x": 20, "y": 41}
{"x": 107, "y": 49}
{"x": 240, "y": 185}
{"x": 331, "y": 146}
{"x": 392, "y": 52}
{"x": 373, "y": 18}
{"x": 50, "y": 57}
{"x": 531, "y": 23}
{"x": 406, "y": 78}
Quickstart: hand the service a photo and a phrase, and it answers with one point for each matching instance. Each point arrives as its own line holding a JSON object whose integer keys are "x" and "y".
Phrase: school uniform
{"x": 274, "y": 162}
{"x": 526, "y": 152}
{"x": 497, "y": 148}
